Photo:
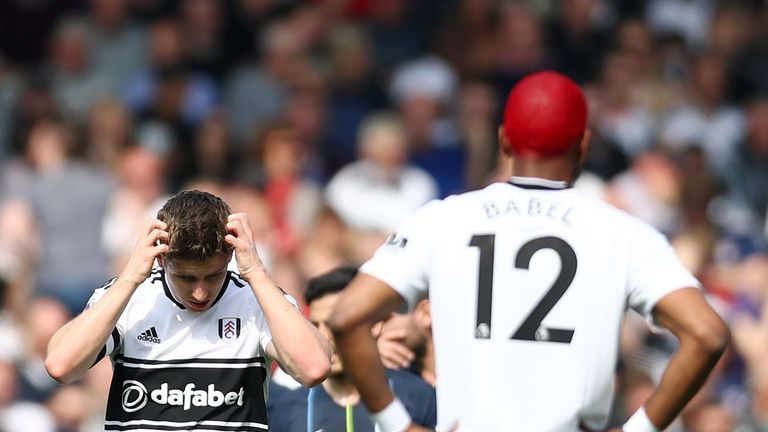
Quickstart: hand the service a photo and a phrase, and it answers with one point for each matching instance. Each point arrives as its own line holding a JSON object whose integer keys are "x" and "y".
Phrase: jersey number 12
{"x": 531, "y": 328}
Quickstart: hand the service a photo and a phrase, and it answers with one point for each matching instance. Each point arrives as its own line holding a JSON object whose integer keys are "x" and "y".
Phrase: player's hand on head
{"x": 393, "y": 352}
{"x": 241, "y": 239}
{"x": 150, "y": 244}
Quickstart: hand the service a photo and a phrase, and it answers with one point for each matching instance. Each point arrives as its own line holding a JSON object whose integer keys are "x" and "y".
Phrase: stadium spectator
{"x": 16, "y": 415}
{"x": 423, "y": 91}
{"x": 354, "y": 93}
{"x": 72, "y": 259}
{"x": 109, "y": 130}
{"x": 44, "y": 316}
{"x": 747, "y": 172}
{"x": 257, "y": 92}
{"x": 116, "y": 42}
{"x": 74, "y": 84}
{"x": 140, "y": 193}
{"x": 378, "y": 191}
{"x": 167, "y": 89}
{"x": 275, "y": 166}
{"x": 706, "y": 118}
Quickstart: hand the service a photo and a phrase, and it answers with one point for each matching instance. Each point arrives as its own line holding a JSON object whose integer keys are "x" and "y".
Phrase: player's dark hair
{"x": 197, "y": 225}
{"x": 329, "y": 283}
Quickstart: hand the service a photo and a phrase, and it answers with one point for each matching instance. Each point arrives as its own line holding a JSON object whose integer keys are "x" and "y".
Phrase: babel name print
{"x": 135, "y": 396}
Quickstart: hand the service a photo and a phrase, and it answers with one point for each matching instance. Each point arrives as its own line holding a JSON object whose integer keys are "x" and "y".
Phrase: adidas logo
{"x": 149, "y": 335}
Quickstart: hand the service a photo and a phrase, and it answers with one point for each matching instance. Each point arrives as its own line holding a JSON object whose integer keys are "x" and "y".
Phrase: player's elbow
{"x": 314, "y": 369}
{"x": 317, "y": 373}
{"x": 59, "y": 370}
{"x": 711, "y": 336}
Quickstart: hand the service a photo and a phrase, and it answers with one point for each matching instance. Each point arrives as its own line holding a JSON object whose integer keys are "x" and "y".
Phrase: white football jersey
{"x": 528, "y": 282}
{"x": 176, "y": 369}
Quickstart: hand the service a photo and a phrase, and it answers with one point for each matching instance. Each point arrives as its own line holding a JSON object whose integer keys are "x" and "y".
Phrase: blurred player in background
{"x": 528, "y": 282}
{"x": 404, "y": 341}
{"x": 188, "y": 339}
{"x": 335, "y": 404}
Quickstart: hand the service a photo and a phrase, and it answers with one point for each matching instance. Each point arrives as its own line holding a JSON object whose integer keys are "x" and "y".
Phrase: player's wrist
{"x": 639, "y": 422}
{"x": 256, "y": 274}
{"x": 393, "y": 418}
{"x": 132, "y": 278}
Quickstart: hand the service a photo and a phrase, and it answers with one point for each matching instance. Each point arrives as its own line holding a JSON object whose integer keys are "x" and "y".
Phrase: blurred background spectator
{"x": 108, "y": 106}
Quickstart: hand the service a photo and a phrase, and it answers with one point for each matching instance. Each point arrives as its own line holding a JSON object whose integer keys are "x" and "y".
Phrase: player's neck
{"x": 341, "y": 389}
{"x": 559, "y": 168}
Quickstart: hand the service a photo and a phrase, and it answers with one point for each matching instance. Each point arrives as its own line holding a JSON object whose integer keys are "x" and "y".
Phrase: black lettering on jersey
{"x": 531, "y": 329}
{"x": 187, "y": 394}
{"x": 553, "y": 207}
{"x": 564, "y": 219}
{"x": 491, "y": 211}
{"x": 512, "y": 208}
{"x": 534, "y": 207}
{"x": 395, "y": 241}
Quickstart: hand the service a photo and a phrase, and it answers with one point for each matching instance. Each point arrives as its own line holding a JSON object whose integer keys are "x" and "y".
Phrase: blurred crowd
{"x": 328, "y": 121}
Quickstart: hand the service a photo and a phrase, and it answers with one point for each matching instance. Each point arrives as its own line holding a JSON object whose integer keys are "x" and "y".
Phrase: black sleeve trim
{"x": 236, "y": 279}
{"x": 101, "y": 355}
{"x": 108, "y": 283}
{"x": 116, "y": 338}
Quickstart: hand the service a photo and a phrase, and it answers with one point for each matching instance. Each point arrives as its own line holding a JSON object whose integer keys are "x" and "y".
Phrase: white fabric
{"x": 428, "y": 77}
{"x": 501, "y": 383}
{"x": 26, "y": 417}
{"x": 393, "y": 418}
{"x": 717, "y": 133}
{"x": 639, "y": 422}
{"x": 365, "y": 201}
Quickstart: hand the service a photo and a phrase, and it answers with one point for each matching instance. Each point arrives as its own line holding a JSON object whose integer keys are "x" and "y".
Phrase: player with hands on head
{"x": 190, "y": 339}
{"x": 528, "y": 282}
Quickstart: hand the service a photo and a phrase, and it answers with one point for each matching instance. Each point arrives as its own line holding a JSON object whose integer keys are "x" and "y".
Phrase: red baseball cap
{"x": 545, "y": 115}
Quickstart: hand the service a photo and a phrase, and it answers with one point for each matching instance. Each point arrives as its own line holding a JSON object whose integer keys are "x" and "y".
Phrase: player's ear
{"x": 584, "y": 145}
{"x": 504, "y": 142}
{"x": 424, "y": 314}
{"x": 161, "y": 260}
{"x": 376, "y": 329}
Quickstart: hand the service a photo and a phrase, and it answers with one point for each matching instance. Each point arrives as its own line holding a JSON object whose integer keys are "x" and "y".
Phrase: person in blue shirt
{"x": 335, "y": 405}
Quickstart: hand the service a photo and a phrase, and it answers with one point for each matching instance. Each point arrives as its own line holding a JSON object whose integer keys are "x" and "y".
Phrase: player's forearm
{"x": 301, "y": 350}
{"x": 361, "y": 361}
{"x": 74, "y": 347}
{"x": 686, "y": 373}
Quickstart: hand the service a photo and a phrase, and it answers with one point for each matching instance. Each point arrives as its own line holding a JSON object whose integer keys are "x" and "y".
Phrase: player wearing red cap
{"x": 529, "y": 281}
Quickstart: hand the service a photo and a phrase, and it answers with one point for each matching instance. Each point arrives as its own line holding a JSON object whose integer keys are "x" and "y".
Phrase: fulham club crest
{"x": 229, "y": 329}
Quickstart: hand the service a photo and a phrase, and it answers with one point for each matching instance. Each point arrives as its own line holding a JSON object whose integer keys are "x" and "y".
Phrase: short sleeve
{"x": 402, "y": 262}
{"x": 654, "y": 271}
{"x": 114, "y": 341}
